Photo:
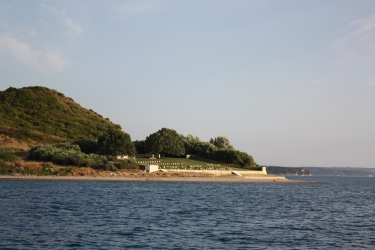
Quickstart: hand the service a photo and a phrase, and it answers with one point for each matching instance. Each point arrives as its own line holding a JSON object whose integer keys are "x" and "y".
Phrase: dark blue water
{"x": 339, "y": 213}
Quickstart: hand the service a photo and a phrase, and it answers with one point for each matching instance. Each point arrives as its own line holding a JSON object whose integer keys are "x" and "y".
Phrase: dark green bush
{"x": 127, "y": 164}
{"x": 110, "y": 166}
{"x": 68, "y": 154}
{"x": 87, "y": 146}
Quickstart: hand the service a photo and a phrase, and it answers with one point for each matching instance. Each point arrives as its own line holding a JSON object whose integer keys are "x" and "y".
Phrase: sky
{"x": 290, "y": 82}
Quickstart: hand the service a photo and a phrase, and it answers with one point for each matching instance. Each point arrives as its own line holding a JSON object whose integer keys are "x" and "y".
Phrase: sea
{"x": 328, "y": 213}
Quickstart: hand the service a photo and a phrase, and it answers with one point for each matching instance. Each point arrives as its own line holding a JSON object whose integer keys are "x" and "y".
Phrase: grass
{"x": 11, "y": 150}
{"x": 9, "y": 154}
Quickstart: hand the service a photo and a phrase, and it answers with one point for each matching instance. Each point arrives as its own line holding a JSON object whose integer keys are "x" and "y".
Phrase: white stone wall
{"x": 152, "y": 168}
{"x": 264, "y": 170}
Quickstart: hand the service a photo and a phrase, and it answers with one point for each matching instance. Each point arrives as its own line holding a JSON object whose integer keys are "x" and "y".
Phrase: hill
{"x": 34, "y": 115}
{"x": 339, "y": 171}
{"x": 287, "y": 170}
{"x": 321, "y": 171}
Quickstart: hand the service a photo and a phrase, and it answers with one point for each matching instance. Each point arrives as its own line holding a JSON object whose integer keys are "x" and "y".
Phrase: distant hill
{"x": 287, "y": 171}
{"x": 36, "y": 115}
{"x": 337, "y": 171}
{"x": 321, "y": 171}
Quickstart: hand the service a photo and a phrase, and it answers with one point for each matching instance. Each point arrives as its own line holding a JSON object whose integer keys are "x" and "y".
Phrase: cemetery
{"x": 189, "y": 165}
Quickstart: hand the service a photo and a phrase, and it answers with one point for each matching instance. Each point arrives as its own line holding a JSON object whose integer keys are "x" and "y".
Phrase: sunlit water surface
{"x": 337, "y": 213}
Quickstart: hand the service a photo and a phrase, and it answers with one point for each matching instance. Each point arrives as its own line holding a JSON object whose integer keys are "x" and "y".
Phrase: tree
{"x": 191, "y": 143}
{"x": 192, "y": 139}
{"x": 221, "y": 142}
{"x": 115, "y": 142}
{"x": 206, "y": 149}
{"x": 87, "y": 146}
{"x": 165, "y": 141}
{"x": 140, "y": 146}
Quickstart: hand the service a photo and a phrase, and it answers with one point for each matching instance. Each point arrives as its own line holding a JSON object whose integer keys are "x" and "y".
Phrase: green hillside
{"x": 40, "y": 115}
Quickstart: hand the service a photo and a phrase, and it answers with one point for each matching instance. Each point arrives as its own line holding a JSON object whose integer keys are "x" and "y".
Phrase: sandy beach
{"x": 158, "y": 178}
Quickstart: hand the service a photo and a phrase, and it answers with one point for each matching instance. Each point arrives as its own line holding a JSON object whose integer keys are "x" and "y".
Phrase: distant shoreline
{"x": 213, "y": 179}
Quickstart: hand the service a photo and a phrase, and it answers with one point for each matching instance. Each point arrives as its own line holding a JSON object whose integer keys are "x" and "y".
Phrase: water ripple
{"x": 108, "y": 215}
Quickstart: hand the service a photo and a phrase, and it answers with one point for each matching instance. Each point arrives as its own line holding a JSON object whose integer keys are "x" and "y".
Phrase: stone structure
{"x": 151, "y": 168}
{"x": 264, "y": 170}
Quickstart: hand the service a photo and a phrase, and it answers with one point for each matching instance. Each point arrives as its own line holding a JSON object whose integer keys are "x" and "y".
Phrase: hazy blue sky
{"x": 290, "y": 82}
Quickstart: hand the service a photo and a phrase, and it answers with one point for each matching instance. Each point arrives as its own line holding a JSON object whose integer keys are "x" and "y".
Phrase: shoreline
{"x": 201, "y": 179}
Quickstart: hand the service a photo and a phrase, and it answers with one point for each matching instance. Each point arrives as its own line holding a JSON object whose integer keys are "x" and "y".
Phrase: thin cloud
{"x": 43, "y": 61}
{"x": 18, "y": 38}
{"x": 358, "y": 43}
{"x": 74, "y": 28}
{"x": 56, "y": 61}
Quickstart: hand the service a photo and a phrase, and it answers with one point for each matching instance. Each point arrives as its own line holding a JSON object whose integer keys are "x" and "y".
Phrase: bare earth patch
{"x": 8, "y": 142}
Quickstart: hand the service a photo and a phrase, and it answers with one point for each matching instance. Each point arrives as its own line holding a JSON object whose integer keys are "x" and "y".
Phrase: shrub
{"x": 69, "y": 155}
{"x": 110, "y": 166}
{"x": 87, "y": 146}
{"x": 127, "y": 164}
{"x": 64, "y": 171}
{"x": 68, "y": 146}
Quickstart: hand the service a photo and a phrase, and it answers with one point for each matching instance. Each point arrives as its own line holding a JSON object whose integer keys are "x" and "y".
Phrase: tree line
{"x": 103, "y": 152}
{"x": 167, "y": 142}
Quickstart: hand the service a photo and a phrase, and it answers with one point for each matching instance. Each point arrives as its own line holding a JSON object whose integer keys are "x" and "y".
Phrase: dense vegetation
{"x": 165, "y": 142}
{"x": 169, "y": 142}
{"x": 45, "y": 115}
{"x": 218, "y": 149}
{"x": 116, "y": 143}
{"x": 70, "y": 154}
